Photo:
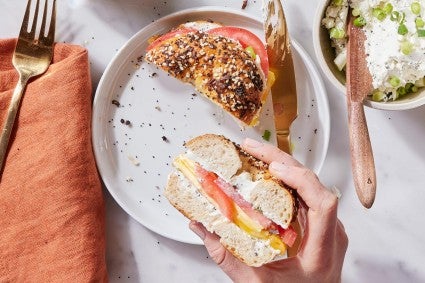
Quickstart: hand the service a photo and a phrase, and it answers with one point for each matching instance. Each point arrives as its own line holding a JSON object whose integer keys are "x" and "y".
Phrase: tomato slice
{"x": 246, "y": 38}
{"x": 226, "y": 197}
{"x": 169, "y": 35}
{"x": 231, "y": 192}
{"x": 225, "y": 203}
{"x": 288, "y": 235}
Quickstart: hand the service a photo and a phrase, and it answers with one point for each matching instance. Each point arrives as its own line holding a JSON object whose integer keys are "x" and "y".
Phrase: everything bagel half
{"x": 228, "y": 65}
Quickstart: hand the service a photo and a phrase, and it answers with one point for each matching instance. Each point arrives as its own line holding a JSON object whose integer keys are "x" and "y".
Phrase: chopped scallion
{"x": 355, "y": 12}
{"x": 394, "y": 81}
{"x": 251, "y": 52}
{"x": 359, "y": 21}
{"x": 406, "y": 47}
{"x": 421, "y": 32}
{"x": 266, "y": 135}
{"x": 409, "y": 87}
{"x": 337, "y": 33}
{"x": 395, "y": 16}
{"x": 401, "y": 91}
{"x": 402, "y": 17}
{"x": 379, "y": 13}
{"x": 419, "y": 22}
{"x": 416, "y": 8}
{"x": 378, "y": 95}
{"x": 388, "y": 8}
{"x": 402, "y": 29}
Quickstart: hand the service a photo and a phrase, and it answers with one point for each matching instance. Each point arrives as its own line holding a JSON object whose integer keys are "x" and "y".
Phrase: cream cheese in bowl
{"x": 395, "y": 42}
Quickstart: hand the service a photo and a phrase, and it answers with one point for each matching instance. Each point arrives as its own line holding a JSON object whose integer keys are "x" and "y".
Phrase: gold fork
{"x": 32, "y": 57}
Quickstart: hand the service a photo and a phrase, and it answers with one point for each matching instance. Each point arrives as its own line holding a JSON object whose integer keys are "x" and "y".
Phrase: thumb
{"x": 226, "y": 260}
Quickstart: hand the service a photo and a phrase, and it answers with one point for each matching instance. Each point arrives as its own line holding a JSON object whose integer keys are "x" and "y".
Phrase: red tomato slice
{"x": 231, "y": 192}
{"x": 168, "y": 35}
{"x": 225, "y": 203}
{"x": 246, "y": 38}
{"x": 226, "y": 196}
{"x": 288, "y": 235}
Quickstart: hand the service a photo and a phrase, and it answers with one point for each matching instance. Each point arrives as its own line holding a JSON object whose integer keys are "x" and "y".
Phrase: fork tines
{"x": 47, "y": 40}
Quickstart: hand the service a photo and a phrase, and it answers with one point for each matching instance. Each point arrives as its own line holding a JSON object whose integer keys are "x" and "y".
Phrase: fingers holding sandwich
{"x": 290, "y": 171}
{"x": 268, "y": 152}
{"x": 307, "y": 184}
{"x": 321, "y": 203}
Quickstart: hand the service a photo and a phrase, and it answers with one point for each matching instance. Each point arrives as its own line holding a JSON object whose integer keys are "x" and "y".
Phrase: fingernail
{"x": 198, "y": 229}
{"x": 277, "y": 166}
{"x": 252, "y": 143}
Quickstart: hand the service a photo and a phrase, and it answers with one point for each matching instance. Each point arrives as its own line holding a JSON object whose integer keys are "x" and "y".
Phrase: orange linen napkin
{"x": 52, "y": 226}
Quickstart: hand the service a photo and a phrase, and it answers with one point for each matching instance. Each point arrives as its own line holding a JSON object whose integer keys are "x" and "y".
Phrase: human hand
{"x": 322, "y": 250}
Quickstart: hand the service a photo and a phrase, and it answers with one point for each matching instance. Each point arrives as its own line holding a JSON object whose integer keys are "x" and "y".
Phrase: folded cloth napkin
{"x": 52, "y": 226}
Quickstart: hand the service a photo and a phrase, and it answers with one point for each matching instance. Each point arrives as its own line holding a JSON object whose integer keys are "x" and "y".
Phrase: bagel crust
{"x": 219, "y": 68}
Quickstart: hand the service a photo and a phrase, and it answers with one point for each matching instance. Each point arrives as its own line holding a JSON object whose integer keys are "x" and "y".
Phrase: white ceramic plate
{"x": 134, "y": 157}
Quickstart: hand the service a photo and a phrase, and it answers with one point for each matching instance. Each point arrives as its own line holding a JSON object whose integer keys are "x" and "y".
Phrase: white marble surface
{"x": 386, "y": 242}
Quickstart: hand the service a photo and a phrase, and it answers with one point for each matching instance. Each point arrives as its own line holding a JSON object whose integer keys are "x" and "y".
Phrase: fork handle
{"x": 11, "y": 115}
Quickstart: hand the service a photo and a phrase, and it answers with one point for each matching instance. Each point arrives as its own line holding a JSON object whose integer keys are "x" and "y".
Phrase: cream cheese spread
{"x": 394, "y": 45}
{"x": 394, "y": 57}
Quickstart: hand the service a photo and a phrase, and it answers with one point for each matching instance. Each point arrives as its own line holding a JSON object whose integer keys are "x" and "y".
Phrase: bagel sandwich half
{"x": 233, "y": 195}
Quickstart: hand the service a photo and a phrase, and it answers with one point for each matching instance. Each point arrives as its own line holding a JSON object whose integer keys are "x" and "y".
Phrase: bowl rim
{"x": 317, "y": 22}
{"x": 410, "y": 103}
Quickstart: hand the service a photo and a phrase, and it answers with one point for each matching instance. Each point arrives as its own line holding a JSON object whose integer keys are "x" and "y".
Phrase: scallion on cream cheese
{"x": 395, "y": 44}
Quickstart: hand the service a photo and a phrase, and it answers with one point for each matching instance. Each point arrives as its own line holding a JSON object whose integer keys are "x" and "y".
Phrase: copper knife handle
{"x": 362, "y": 162}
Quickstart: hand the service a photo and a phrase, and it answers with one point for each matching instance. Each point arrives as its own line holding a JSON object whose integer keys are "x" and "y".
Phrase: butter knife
{"x": 284, "y": 90}
{"x": 359, "y": 84}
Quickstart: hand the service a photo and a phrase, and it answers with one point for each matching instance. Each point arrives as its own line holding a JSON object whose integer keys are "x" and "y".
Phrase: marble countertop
{"x": 386, "y": 242}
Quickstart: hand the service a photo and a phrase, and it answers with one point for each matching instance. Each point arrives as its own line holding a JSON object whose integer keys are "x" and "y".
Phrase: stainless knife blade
{"x": 284, "y": 90}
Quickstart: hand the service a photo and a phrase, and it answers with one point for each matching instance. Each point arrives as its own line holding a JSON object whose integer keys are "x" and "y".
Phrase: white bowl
{"x": 325, "y": 56}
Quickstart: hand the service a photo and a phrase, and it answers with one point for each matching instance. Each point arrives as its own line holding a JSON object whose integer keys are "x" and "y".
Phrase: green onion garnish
{"x": 378, "y": 95}
{"x": 359, "y": 21}
{"x": 355, "y": 12}
{"x": 406, "y": 47}
{"x": 394, "y": 81}
{"x": 402, "y": 17}
{"x": 395, "y": 16}
{"x": 416, "y": 8}
{"x": 388, "y": 8}
{"x": 337, "y": 33}
{"x": 409, "y": 87}
{"x": 337, "y": 2}
{"x": 379, "y": 14}
{"x": 401, "y": 91}
{"x": 266, "y": 135}
{"x": 251, "y": 52}
{"x": 402, "y": 29}
{"x": 419, "y": 22}
{"x": 421, "y": 32}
